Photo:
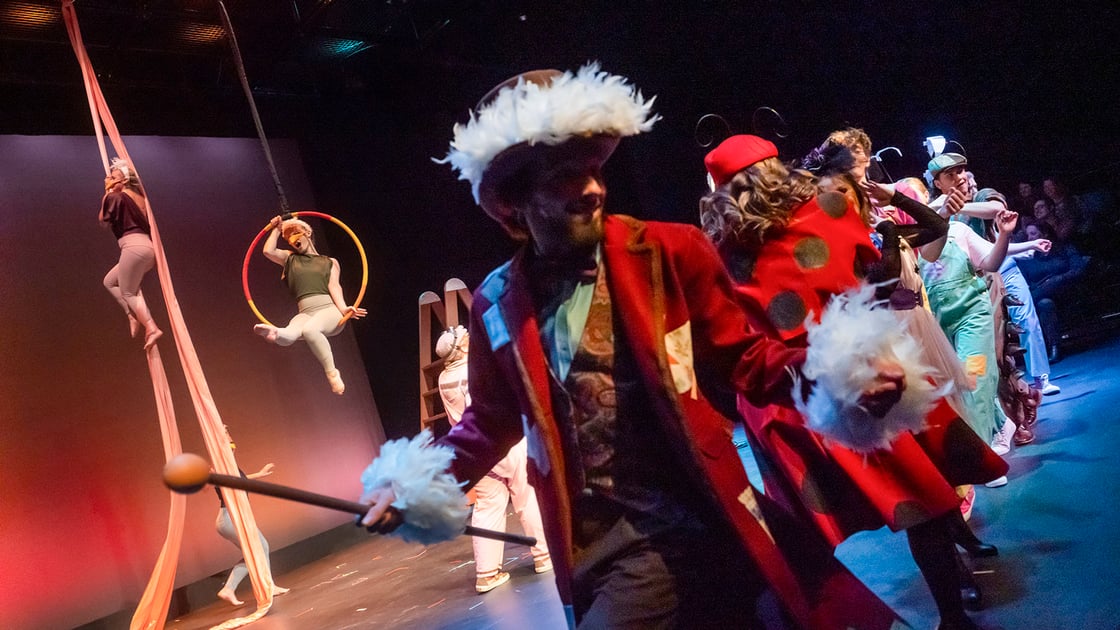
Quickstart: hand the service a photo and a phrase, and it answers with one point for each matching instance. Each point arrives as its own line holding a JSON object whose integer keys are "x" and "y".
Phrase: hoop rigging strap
{"x": 304, "y": 213}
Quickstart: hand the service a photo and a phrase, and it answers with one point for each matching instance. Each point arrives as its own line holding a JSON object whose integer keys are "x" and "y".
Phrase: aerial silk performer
{"x": 154, "y": 604}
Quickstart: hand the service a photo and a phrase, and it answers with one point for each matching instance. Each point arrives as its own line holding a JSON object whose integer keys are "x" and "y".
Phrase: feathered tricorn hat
{"x": 544, "y": 113}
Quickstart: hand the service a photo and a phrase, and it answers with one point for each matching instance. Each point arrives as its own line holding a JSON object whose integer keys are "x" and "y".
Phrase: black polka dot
{"x": 787, "y": 310}
{"x": 811, "y": 252}
{"x": 834, "y": 204}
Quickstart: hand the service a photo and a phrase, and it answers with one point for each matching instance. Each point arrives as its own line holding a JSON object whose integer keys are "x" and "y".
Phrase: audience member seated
{"x": 1024, "y": 202}
{"x": 1049, "y": 276}
{"x": 1065, "y": 214}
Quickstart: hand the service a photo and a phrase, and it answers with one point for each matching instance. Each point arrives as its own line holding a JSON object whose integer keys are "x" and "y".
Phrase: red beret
{"x": 735, "y": 154}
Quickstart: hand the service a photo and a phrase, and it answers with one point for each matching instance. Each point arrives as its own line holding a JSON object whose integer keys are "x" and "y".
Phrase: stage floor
{"x": 382, "y": 582}
{"x": 1054, "y": 523}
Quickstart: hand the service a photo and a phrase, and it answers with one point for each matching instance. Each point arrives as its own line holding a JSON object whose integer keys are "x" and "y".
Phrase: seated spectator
{"x": 1066, "y": 212}
{"x": 1024, "y": 202}
{"x": 1049, "y": 275}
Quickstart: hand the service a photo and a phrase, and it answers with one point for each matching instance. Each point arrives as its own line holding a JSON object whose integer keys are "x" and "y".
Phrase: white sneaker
{"x": 998, "y": 482}
{"x": 1044, "y": 385}
{"x": 1001, "y": 443}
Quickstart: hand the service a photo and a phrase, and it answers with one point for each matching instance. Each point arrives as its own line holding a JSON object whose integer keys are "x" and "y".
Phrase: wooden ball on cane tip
{"x": 186, "y": 473}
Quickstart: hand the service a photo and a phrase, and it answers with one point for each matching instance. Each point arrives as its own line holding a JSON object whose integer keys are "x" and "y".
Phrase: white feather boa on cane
{"x": 429, "y": 497}
{"x": 850, "y": 334}
{"x": 582, "y": 104}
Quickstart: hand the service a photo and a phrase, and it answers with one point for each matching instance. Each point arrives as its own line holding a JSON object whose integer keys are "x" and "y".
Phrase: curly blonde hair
{"x": 757, "y": 202}
{"x": 851, "y": 137}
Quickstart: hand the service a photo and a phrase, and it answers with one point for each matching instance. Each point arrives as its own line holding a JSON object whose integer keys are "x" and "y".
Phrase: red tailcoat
{"x": 676, "y": 306}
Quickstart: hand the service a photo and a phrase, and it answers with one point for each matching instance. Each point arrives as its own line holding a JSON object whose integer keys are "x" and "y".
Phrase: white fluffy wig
{"x": 851, "y": 333}
{"x": 295, "y": 225}
{"x": 586, "y": 103}
{"x": 118, "y": 164}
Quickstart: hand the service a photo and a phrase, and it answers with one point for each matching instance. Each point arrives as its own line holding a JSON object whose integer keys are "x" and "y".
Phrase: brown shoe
{"x": 1023, "y": 435}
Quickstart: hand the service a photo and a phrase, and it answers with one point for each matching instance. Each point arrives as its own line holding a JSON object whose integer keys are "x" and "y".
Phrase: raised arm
{"x": 271, "y": 251}
{"x": 982, "y": 209}
{"x": 1005, "y": 222}
{"x": 263, "y": 472}
{"x": 929, "y": 231}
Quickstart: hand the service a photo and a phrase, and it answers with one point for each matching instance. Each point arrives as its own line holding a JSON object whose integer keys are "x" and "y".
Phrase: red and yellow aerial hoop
{"x": 303, "y": 213}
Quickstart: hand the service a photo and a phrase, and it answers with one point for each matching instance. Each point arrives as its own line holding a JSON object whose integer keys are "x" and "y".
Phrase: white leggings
{"x": 507, "y": 481}
{"x": 123, "y": 280}
{"x": 227, "y": 531}
{"x": 317, "y": 319}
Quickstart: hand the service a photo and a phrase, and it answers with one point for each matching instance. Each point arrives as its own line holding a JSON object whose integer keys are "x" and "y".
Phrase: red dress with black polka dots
{"x": 819, "y": 254}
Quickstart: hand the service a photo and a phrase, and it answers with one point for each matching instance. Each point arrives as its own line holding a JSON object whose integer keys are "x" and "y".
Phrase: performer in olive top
{"x": 313, "y": 281}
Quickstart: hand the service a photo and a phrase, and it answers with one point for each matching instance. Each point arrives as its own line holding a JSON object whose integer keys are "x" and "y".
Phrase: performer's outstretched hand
{"x": 1006, "y": 220}
{"x": 886, "y": 390}
{"x": 382, "y": 517}
{"x": 355, "y": 312}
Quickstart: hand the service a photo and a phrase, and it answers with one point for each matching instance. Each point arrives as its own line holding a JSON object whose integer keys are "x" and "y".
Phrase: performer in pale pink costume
{"x": 225, "y": 528}
{"x": 313, "y": 281}
{"x": 507, "y": 480}
{"x": 123, "y": 210}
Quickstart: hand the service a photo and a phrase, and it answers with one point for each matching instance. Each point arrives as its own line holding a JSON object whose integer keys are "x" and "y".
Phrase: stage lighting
{"x": 935, "y": 145}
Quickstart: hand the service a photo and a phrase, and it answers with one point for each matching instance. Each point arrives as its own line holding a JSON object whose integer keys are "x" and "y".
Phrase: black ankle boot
{"x": 978, "y": 549}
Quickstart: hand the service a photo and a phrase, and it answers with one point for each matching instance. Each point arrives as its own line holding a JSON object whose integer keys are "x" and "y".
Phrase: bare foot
{"x": 266, "y": 331}
{"x": 133, "y": 326}
{"x": 278, "y": 590}
{"x": 150, "y": 339}
{"x": 335, "y": 379}
{"x": 231, "y": 597}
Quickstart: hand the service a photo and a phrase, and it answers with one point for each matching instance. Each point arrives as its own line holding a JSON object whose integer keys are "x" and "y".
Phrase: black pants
{"x": 681, "y": 578}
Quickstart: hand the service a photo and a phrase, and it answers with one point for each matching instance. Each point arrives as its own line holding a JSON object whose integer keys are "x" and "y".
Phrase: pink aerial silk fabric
{"x": 154, "y": 604}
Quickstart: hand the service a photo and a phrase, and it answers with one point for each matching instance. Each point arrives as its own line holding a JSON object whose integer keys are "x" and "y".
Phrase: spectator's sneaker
{"x": 1044, "y": 385}
{"x": 1001, "y": 443}
{"x": 487, "y": 584}
{"x": 542, "y": 565}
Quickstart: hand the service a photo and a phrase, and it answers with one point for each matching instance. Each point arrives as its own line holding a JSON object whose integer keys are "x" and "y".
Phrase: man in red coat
{"x": 600, "y": 341}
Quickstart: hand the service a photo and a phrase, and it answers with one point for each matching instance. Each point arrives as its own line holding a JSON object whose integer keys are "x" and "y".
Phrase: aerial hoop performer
{"x": 123, "y": 209}
{"x": 313, "y": 280}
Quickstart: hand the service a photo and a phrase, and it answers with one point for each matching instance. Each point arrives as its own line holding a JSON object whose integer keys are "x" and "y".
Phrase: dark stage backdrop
{"x": 83, "y": 512}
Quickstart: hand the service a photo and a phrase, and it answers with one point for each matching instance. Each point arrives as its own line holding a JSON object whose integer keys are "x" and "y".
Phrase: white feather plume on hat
{"x": 850, "y": 334}
{"x": 588, "y": 102}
